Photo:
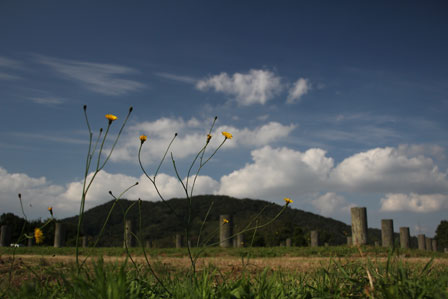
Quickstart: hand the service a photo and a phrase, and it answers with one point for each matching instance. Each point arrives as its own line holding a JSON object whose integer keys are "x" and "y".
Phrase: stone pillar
{"x": 387, "y": 232}
{"x": 179, "y": 243}
{"x": 84, "y": 241}
{"x": 128, "y": 237}
{"x": 428, "y": 244}
{"x": 5, "y": 238}
{"x": 59, "y": 235}
{"x": 225, "y": 231}
{"x": 240, "y": 240}
{"x": 30, "y": 241}
{"x": 314, "y": 238}
{"x": 421, "y": 241}
{"x": 377, "y": 244}
{"x": 434, "y": 245}
{"x": 359, "y": 225}
{"x": 288, "y": 242}
{"x": 404, "y": 237}
{"x": 349, "y": 241}
{"x": 148, "y": 243}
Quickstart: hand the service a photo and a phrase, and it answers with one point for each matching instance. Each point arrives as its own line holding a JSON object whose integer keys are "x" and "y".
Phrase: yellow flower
{"x": 227, "y": 135}
{"x": 225, "y": 221}
{"x": 143, "y": 138}
{"x": 209, "y": 137}
{"x": 50, "y": 209}
{"x": 38, "y": 235}
{"x": 288, "y": 200}
{"x": 111, "y": 117}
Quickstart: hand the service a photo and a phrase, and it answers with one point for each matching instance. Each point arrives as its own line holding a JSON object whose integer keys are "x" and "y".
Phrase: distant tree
{"x": 442, "y": 234}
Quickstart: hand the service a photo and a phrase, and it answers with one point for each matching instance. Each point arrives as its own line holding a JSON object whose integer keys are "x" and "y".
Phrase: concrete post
{"x": 359, "y": 225}
{"x": 428, "y": 244}
{"x": 387, "y": 232}
{"x": 377, "y": 244}
{"x": 434, "y": 245}
{"x": 314, "y": 238}
{"x": 179, "y": 243}
{"x": 148, "y": 244}
{"x": 421, "y": 241}
{"x": 405, "y": 237}
{"x": 59, "y": 235}
{"x": 84, "y": 241}
{"x": 128, "y": 237}
{"x": 5, "y": 238}
{"x": 349, "y": 241}
{"x": 240, "y": 240}
{"x": 288, "y": 242}
{"x": 225, "y": 231}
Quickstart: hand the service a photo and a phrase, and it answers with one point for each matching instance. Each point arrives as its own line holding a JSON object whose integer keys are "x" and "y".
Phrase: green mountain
{"x": 159, "y": 223}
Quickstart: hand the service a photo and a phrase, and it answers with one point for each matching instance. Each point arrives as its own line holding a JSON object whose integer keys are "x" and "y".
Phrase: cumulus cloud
{"x": 191, "y": 137}
{"x": 421, "y": 203}
{"x": 389, "y": 169}
{"x": 330, "y": 203}
{"x": 254, "y": 87}
{"x": 97, "y": 77}
{"x": 300, "y": 88}
{"x": 276, "y": 171}
{"x": 38, "y": 193}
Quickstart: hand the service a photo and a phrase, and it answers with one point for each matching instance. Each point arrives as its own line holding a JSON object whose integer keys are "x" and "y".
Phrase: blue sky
{"x": 334, "y": 104}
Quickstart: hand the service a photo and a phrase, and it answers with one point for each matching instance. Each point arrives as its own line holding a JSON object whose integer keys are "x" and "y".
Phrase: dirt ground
{"x": 224, "y": 263}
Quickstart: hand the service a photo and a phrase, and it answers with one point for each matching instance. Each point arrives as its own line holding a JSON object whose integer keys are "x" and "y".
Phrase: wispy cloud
{"x": 49, "y": 137}
{"x": 97, "y": 77}
{"x": 47, "y": 101}
{"x": 183, "y": 79}
{"x": 6, "y": 66}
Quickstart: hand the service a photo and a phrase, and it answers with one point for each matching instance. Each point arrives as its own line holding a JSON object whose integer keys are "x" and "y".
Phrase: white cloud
{"x": 330, "y": 203}
{"x": 300, "y": 88}
{"x": 98, "y": 77}
{"x": 38, "y": 193}
{"x": 421, "y": 203}
{"x": 279, "y": 171}
{"x": 191, "y": 137}
{"x": 255, "y": 87}
{"x": 388, "y": 170}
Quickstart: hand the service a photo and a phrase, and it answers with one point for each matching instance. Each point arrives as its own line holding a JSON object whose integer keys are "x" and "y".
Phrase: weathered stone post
{"x": 225, "y": 231}
{"x": 30, "y": 241}
{"x": 359, "y": 225}
{"x": 349, "y": 241}
{"x": 179, "y": 243}
{"x": 148, "y": 244}
{"x": 59, "y": 235}
{"x": 288, "y": 242}
{"x": 445, "y": 250}
{"x": 428, "y": 244}
{"x": 377, "y": 244}
{"x": 128, "y": 237}
{"x": 84, "y": 241}
{"x": 404, "y": 237}
{"x": 421, "y": 241}
{"x": 314, "y": 238}
{"x": 5, "y": 238}
{"x": 434, "y": 245}
{"x": 387, "y": 232}
{"x": 240, "y": 240}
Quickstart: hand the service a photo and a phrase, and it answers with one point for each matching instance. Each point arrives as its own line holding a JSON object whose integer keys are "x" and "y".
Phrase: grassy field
{"x": 324, "y": 272}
